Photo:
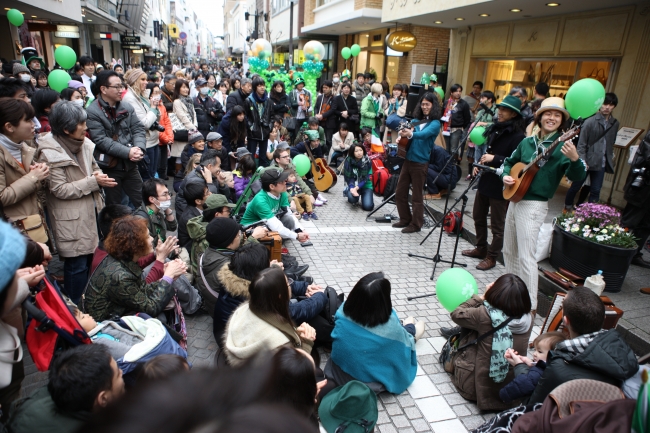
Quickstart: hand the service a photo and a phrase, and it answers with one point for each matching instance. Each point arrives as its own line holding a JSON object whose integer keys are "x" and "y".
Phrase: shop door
{"x": 97, "y": 52}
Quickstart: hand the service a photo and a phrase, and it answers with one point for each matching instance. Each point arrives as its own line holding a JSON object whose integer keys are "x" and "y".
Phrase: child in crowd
{"x": 527, "y": 372}
{"x": 163, "y": 366}
{"x": 242, "y": 176}
{"x": 299, "y": 198}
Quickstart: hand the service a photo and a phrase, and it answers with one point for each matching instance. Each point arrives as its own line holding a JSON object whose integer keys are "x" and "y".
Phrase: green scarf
{"x": 501, "y": 341}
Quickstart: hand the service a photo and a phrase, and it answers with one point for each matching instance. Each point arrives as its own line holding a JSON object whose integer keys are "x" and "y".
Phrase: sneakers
{"x": 318, "y": 202}
{"x": 322, "y": 198}
{"x": 305, "y": 216}
{"x": 468, "y": 177}
{"x": 448, "y": 332}
{"x": 313, "y": 216}
{"x": 419, "y": 329}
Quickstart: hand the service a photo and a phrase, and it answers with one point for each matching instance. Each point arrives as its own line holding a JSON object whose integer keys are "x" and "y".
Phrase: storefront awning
{"x": 357, "y": 21}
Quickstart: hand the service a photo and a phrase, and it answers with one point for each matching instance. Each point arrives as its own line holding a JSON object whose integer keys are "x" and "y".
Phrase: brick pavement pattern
{"x": 346, "y": 247}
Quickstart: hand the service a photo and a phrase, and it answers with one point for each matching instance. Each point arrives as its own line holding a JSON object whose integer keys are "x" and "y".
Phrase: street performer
{"x": 421, "y": 135}
{"x": 525, "y": 218}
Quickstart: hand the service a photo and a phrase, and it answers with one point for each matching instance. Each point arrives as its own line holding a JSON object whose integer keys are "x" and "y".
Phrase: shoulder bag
{"x": 451, "y": 349}
{"x": 354, "y": 118}
{"x": 180, "y": 133}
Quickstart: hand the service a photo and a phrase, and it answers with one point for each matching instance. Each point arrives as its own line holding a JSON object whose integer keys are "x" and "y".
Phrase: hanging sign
{"x": 183, "y": 36}
{"x": 401, "y": 41}
{"x": 130, "y": 39}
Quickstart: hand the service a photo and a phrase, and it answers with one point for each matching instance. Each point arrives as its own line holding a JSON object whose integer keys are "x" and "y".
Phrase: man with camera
{"x": 636, "y": 215}
{"x": 208, "y": 110}
{"x": 272, "y": 204}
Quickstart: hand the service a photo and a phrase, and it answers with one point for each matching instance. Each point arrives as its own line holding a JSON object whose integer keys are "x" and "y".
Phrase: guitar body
{"x": 403, "y": 144}
{"x": 324, "y": 176}
{"x": 523, "y": 178}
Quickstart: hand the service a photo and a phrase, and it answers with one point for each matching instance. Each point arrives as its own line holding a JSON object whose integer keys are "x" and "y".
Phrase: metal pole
{"x": 291, "y": 34}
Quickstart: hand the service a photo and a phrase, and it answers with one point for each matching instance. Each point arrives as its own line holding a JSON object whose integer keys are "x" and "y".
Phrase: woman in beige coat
{"x": 184, "y": 110}
{"x": 20, "y": 177}
{"x": 73, "y": 194}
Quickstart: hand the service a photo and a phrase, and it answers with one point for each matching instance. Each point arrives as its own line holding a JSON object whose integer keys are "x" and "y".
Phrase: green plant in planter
{"x": 597, "y": 223}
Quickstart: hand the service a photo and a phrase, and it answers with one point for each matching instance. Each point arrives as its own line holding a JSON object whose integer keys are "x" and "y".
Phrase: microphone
{"x": 485, "y": 167}
{"x": 486, "y": 108}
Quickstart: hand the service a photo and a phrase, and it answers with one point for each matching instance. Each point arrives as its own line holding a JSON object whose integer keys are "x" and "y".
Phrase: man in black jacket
{"x": 504, "y": 136}
{"x": 168, "y": 93}
{"x": 119, "y": 138}
{"x": 238, "y": 97}
{"x": 591, "y": 353}
{"x": 208, "y": 171}
{"x": 324, "y": 112}
{"x": 208, "y": 110}
{"x": 258, "y": 111}
{"x": 456, "y": 117}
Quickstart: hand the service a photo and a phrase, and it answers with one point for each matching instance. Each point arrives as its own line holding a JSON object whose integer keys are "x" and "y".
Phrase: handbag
{"x": 289, "y": 123}
{"x": 32, "y": 226}
{"x": 180, "y": 133}
{"x": 393, "y": 121}
{"x": 354, "y": 118}
{"x": 450, "y": 350}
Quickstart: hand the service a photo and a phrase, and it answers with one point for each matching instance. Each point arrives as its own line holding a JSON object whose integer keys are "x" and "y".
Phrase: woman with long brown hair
{"x": 184, "y": 110}
{"x": 233, "y": 129}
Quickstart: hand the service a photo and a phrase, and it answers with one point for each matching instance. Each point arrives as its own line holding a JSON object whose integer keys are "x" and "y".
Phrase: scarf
{"x": 259, "y": 101}
{"x": 451, "y": 105}
{"x": 73, "y": 148}
{"x": 187, "y": 101}
{"x": 501, "y": 341}
{"x": 13, "y": 148}
{"x": 578, "y": 345}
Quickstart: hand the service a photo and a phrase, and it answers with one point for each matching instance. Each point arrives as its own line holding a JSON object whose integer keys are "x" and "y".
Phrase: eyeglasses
{"x": 118, "y": 87}
{"x": 165, "y": 195}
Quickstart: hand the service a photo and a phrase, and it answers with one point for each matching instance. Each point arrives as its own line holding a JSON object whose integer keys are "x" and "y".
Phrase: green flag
{"x": 641, "y": 417}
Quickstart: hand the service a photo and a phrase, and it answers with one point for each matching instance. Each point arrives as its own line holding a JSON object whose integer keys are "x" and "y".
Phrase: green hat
{"x": 216, "y": 201}
{"x": 298, "y": 80}
{"x": 511, "y": 102}
{"x": 312, "y": 135}
{"x": 433, "y": 77}
{"x": 346, "y": 73}
{"x": 352, "y": 405}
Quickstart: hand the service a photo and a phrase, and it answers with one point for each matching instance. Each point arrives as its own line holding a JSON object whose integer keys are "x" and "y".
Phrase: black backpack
{"x": 391, "y": 186}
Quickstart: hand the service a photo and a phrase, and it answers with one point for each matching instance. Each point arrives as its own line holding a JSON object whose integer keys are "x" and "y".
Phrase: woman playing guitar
{"x": 525, "y": 217}
{"x": 420, "y": 139}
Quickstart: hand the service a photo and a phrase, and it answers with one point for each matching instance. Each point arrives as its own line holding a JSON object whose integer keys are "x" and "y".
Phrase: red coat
{"x": 166, "y": 137}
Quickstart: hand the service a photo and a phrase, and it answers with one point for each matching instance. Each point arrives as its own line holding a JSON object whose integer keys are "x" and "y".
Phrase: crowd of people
{"x": 89, "y": 173}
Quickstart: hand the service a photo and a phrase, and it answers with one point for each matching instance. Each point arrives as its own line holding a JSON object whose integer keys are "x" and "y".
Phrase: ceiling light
{"x": 484, "y": 15}
{"x": 7, "y": 9}
{"x": 34, "y": 16}
{"x": 460, "y": 19}
{"x": 437, "y": 22}
{"x": 552, "y": 4}
{"x": 88, "y": 20}
{"x": 23, "y": 13}
{"x": 515, "y": 10}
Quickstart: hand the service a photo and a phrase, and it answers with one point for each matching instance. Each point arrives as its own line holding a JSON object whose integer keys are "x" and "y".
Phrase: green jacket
{"x": 118, "y": 288}
{"x": 369, "y": 110}
{"x": 39, "y": 414}
{"x": 548, "y": 178}
{"x": 158, "y": 224}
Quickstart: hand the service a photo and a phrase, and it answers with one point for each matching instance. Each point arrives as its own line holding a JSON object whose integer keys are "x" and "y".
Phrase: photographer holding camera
{"x": 636, "y": 215}
{"x": 208, "y": 110}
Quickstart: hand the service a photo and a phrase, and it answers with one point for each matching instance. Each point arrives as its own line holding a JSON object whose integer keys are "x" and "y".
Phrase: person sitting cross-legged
{"x": 82, "y": 380}
{"x": 441, "y": 177}
{"x": 300, "y": 199}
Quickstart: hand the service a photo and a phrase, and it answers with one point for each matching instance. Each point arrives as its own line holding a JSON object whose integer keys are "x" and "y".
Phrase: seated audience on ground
{"x": 242, "y": 176}
{"x": 357, "y": 171}
{"x": 117, "y": 286}
{"x": 485, "y": 366}
{"x": 591, "y": 352}
{"x": 234, "y": 277}
{"x": 272, "y": 143}
{"x": 195, "y": 144}
{"x": 312, "y": 124}
{"x": 282, "y": 160}
{"x": 300, "y": 200}
{"x": 341, "y": 142}
{"x": 163, "y": 366}
{"x": 312, "y": 140}
{"x": 192, "y": 163}
{"x": 527, "y": 371}
{"x": 370, "y": 344}
{"x": 196, "y": 193}
{"x": 214, "y": 141}
{"x": 156, "y": 209}
{"x": 82, "y": 380}
{"x": 440, "y": 175}
{"x": 372, "y": 143}
{"x": 210, "y": 172}
{"x": 264, "y": 322}
{"x": 272, "y": 202}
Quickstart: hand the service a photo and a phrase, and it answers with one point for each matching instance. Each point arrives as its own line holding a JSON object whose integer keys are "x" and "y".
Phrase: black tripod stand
{"x": 391, "y": 199}
{"x": 437, "y": 258}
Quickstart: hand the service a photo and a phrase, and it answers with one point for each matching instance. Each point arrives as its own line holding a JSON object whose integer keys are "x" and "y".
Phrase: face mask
{"x": 164, "y": 205}
{"x": 79, "y": 102}
{"x": 336, "y": 80}
{"x": 26, "y": 78}
{"x": 204, "y": 90}
{"x": 155, "y": 100}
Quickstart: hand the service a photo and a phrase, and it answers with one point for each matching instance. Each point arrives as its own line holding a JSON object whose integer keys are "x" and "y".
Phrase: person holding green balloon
{"x": 501, "y": 139}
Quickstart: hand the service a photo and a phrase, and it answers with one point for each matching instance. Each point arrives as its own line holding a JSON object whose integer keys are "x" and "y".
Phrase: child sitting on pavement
{"x": 300, "y": 199}
{"x": 527, "y": 372}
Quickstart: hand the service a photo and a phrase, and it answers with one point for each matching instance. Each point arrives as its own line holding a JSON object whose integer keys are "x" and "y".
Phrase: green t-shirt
{"x": 264, "y": 206}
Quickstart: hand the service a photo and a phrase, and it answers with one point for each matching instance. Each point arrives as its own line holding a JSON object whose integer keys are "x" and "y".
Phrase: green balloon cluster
{"x": 58, "y": 79}
{"x": 257, "y": 65}
{"x": 346, "y": 53}
{"x": 311, "y": 71}
{"x": 476, "y": 136}
{"x": 455, "y": 286}
{"x": 65, "y": 57}
{"x": 302, "y": 164}
{"x": 15, "y": 17}
{"x": 355, "y": 50}
{"x": 425, "y": 78}
{"x": 584, "y": 98}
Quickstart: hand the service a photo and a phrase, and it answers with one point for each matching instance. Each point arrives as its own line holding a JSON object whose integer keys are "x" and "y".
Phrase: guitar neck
{"x": 551, "y": 148}
{"x": 311, "y": 157}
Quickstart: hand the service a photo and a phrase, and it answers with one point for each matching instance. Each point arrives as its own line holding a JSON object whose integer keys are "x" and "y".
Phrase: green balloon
{"x": 477, "y": 135}
{"x": 15, "y": 17}
{"x": 346, "y": 53}
{"x": 58, "y": 79}
{"x": 440, "y": 92}
{"x": 584, "y": 98}
{"x": 355, "y": 50}
{"x": 65, "y": 56}
{"x": 455, "y": 286}
{"x": 302, "y": 164}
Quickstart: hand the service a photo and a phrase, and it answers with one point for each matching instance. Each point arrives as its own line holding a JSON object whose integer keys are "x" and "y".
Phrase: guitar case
{"x": 273, "y": 243}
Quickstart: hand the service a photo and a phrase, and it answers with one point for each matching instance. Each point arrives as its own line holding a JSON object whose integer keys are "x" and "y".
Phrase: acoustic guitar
{"x": 404, "y": 143}
{"x": 324, "y": 176}
{"x": 523, "y": 174}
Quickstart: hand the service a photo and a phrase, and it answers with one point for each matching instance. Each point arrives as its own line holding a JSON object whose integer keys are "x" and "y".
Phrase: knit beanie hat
{"x": 74, "y": 84}
{"x": 131, "y": 77}
{"x": 12, "y": 253}
{"x": 18, "y": 68}
{"x": 194, "y": 137}
{"x": 221, "y": 232}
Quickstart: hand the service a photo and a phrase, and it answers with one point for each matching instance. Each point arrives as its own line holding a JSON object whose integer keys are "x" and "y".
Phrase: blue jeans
{"x": 75, "y": 276}
{"x": 596, "y": 177}
{"x": 335, "y": 155}
{"x": 410, "y": 329}
{"x": 479, "y": 151}
{"x": 365, "y": 194}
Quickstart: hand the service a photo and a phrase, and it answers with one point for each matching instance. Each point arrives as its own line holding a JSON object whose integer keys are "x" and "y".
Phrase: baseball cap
{"x": 216, "y": 201}
{"x": 200, "y": 81}
{"x": 213, "y": 136}
{"x": 274, "y": 175}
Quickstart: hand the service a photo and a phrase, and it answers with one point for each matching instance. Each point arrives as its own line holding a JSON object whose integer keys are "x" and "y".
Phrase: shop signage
{"x": 278, "y": 58}
{"x": 70, "y": 35}
{"x": 298, "y": 57}
{"x": 401, "y": 41}
{"x": 131, "y": 47}
{"x": 108, "y": 36}
{"x": 130, "y": 39}
{"x": 74, "y": 29}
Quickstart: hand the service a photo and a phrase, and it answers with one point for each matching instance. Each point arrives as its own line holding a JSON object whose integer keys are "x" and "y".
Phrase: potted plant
{"x": 592, "y": 239}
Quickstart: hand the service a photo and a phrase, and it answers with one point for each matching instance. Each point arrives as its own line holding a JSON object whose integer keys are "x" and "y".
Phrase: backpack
{"x": 391, "y": 186}
{"x": 379, "y": 180}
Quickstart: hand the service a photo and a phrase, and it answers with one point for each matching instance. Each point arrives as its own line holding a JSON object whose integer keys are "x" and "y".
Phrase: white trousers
{"x": 523, "y": 221}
